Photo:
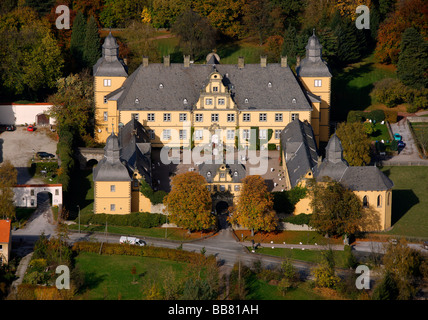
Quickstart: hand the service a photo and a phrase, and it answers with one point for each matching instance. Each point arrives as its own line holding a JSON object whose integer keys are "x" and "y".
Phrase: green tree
{"x": 355, "y": 142}
{"x": 335, "y": 209}
{"x": 324, "y": 273}
{"x": 30, "y": 58}
{"x": 196, "y": 35}
{"x": 189, "y": 202}
{"x": 92, "y": 46}
{"x": 77, "y": 40}
{"x": 254, "y": 207}
{"x": 8, "y": 179}
{"x": 386, "y": 289}
{"x": 412, "y": 66}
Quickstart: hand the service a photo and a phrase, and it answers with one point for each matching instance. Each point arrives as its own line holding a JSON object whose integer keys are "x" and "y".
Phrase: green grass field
{"x": 409, "y": 200}
{"x": 351, "y": 87}
{"x": 110, "y": 278}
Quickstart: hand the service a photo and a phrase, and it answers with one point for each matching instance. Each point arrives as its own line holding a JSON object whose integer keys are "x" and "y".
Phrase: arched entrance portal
{"x": 221, "y": 207}
{"x": 44, "y": 199}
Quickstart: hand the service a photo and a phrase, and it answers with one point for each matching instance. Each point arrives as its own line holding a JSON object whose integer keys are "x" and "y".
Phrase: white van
{"x": 132, "y": 240}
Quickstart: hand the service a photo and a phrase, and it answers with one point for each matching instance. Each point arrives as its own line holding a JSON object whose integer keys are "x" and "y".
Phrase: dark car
{"x": 401, "y": 144}
{"x": 7, "y": 127}
{"x": 45, "y": 155}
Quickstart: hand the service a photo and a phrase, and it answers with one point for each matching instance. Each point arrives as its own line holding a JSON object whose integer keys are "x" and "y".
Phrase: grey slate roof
{"x": 313, "y": 65}
{"x": 159, "y": 87}
{"x": 109, "y": 65}
{"x": 125, "y": 153}
{"x": 110, "y": 168}
{"x": 204, "y": 168}
{"x": 300, "y": 149}
{"x": 354, "y": 178}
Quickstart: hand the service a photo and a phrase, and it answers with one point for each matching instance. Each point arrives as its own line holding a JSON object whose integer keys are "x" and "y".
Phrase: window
{"x": 365, "y": 202}
{"x": 56, "y": 192}
{"x": 151, "y": 134}
{"x": 230, "y": 117}
{"x": 263, "y": 134}
{"x": 278, "y": 117}
{"x": 199, "y": 117}
{"x": 107, "y": 82}
{"x": 214, "y": 117}
{"x": 105, "y": 100}
{"x": 183, "y": 117}
{"x": 236, "y": 187}
{"x": 222, "y": 188}
{"x": 112, "y": 188}
{"x": 112, "y": 207}
{"x": 222, "y": 175}
{"x": 230, "y": 134}
{"x": 294, "y": 116}
{"x": 317, "y": 83}
{"x": 379, "y": 201}
{"x": 208, "y": 101}
{"x": 245, "y": 134}
{"x": 166, "y": 134}
{"x": 135, "y": 116}
{"x": 209, "y": 188}
{"x": 270, "y": 85}
{"x": 262, "y": 117}
{"x": 32, "y": 192}
{"x": 183, "y": 134}
{"x": 277, "y": 134}
{"x": 198, "y": 134}
{"x": 166, "y": 117}
{"x": 246, "y": 117}
{"x": 105, "y": 116}
{"x": 1, "y": 247}
{"x": 208, "y": 174}
{"x": 150, "y": 117}
{"x": 215, "y": 89}
{"x": 136, "y": 183}
{"x": 221, "y": 101}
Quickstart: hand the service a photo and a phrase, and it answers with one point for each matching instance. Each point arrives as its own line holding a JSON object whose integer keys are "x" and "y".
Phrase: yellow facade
{"x": 112, "y": 197}
{"x": 320, "y": 86}
{"x": 223, "y": 182}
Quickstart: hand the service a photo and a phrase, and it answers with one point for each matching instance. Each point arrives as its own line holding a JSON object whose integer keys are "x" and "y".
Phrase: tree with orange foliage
{"x": 409, "y": 13}
{"x": 189, "y": 203}
{"x": 254, "y": 208}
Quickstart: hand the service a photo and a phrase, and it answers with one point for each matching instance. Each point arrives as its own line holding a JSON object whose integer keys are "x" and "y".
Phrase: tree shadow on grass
{"x": 402, "y": 202}
{"x": 92, "y": 281}
{"x": 346, "y": 97}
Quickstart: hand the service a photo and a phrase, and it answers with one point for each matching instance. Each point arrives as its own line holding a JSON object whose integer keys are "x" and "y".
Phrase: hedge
{"x": 299, "y": 219}
{"x": 155, "y": 197}
{"x": 285, "y": 201}
{"x": 146, "y": 251}
{"x": 136, "y": 219}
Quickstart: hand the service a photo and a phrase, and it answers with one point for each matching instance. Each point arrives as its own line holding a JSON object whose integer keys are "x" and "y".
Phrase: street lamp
{"x": 79, "y": 216}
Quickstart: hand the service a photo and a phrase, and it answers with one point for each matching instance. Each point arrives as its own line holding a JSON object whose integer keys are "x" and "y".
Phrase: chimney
{"x": 145, "y": 61}
{"x": 125, "y": 61}
{"x": 166, "y": 61}
{"x": 186, "y": 61}
{"x": 263, "y": 61}
{"x": 297, "y": 61}
{"x": 284, "y": 62}
{"x": 241, "y": 62}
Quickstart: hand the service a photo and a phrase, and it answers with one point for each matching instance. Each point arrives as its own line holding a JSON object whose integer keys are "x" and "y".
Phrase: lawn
{"x": 110, "y": 278}
{"x": 313, "y": 256}
{"x": 409, "y": 200}
{"x": 289, "y": 237}
{"x": 381, "y": 133}
{"x": 351, "y": 86}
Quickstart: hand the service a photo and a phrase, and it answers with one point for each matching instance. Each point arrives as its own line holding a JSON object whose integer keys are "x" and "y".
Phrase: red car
{"x": 30, "y": 128}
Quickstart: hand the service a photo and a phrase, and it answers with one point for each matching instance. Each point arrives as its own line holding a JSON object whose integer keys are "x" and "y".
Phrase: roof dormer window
{"x": 185, "y": 101}
{"x": 294, "y": 100}
{"x": 208, "y": 174}
{"x": 270, "y": 85}
{"x": 160, "y": 86}
{"x": 246, "y": 100}
{"x": 137, "y": 100}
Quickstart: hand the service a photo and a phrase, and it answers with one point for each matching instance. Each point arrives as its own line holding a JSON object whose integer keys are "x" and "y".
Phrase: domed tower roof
{"x": 109, "y": 65}
{"x": 112, "y": 149}
{"x": 110, "y": 42}
{"x": 314, "y": 48}
{"x": 313, "y": 65}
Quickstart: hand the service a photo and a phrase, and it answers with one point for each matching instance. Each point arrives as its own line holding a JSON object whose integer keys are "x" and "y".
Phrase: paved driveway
{"x": 19, "y": 147}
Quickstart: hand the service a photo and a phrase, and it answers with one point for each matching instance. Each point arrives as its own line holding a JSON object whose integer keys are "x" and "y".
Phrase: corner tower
{"x": 315, "y": 76}
{"x": 109, "y": 74}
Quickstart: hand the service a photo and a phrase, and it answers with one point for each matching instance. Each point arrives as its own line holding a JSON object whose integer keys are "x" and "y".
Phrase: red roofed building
{"x": 5, "y": 241}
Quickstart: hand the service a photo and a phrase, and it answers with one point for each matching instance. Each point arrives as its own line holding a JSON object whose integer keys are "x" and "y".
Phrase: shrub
{"x": 377, "y": 115}
{"x": 391, "y": 116}
{"x": 369, "y": 128}
{"x": 285, "y": 201}
{"x": 391, "y": 92}
{"x": 155, "y": 197}
{"x": 136, "y": 219}
{"x": 271, "y": 146}
{"x": 356, "y": 116}
{"x": 299, "y": 219}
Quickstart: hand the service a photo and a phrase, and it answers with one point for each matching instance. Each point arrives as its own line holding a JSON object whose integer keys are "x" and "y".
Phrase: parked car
{"x": 397, "y": 137}
{"x": 7, "y": 127}
{"x": 45, "y": 155}
{"x": 132, "y": 240}
{"x": 401, "y": 144}
{"x": 30, "y": 128}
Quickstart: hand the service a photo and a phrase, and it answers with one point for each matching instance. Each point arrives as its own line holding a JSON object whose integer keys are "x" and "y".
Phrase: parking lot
{"x": 19, "y": 147}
